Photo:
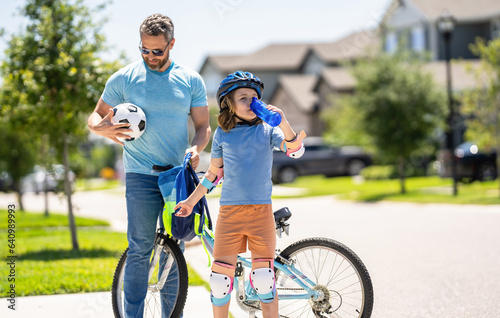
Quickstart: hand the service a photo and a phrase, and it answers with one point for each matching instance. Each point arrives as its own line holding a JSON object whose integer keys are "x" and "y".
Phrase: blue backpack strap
{"x": 202, "y": 202}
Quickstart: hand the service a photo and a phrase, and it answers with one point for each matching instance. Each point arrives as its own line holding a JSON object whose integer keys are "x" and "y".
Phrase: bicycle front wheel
{"x": 156, "y": 297}
{"x": 337, "y": 272}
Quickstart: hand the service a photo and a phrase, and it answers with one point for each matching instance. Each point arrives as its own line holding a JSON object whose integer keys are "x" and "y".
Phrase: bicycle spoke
{"x": 338, "y": 282}
{"x": 167, "y": 285}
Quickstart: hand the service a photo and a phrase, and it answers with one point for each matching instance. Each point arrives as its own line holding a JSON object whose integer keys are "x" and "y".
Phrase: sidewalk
{"x": 98, "y": 305}
{"x": 92, "y": 305}
{"x": 97, "y": 204}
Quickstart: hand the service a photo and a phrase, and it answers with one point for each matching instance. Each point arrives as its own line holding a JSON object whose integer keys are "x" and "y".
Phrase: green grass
{"x": 31, "y": 221}
{"x": 46, "y": 263}
{"x": 96, "y": 184}
{"x": 420, "y": 190}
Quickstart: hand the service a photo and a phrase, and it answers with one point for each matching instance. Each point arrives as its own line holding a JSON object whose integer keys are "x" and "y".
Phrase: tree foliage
{"x": 53, "y": 76}
{"x": 396, "y": 108}
{"x": 482, "y": 105}
{"x": 52, "y": 73}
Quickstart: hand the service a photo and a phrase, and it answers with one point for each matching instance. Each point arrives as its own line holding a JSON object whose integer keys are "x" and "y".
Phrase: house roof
{"x": 299, "y": 88}
{"x": 291, "y": 56}
{"x": 347, "y": 48}
{"x": 462, "y": 77}
{"x": 338, "y": 78}
{"x": 462, "y": 10}
{"x": 276, "y": 57}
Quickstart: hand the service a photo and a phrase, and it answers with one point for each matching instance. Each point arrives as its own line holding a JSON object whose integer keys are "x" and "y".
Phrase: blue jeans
{"x": 144, "y": 205}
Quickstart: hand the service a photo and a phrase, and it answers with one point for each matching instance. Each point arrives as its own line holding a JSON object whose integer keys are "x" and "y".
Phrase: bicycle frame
{"x": 249, "y": 294}
{"x": 301, "y": 282}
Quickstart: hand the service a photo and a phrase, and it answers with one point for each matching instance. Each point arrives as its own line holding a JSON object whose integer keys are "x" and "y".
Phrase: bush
{"x": 390, "y": 172}
{"x": 379, "y": 172}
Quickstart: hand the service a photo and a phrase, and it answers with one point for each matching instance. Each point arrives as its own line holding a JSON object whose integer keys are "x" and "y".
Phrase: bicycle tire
{"x": 152, "y": 307}
{"x": 336, "y": 270}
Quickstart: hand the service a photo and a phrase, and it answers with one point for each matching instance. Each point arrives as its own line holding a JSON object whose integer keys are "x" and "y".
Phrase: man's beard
{"x": 158, "y": 66}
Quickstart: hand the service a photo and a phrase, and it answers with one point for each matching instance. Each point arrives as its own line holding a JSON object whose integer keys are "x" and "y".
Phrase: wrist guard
{"x": 295, "y": 148}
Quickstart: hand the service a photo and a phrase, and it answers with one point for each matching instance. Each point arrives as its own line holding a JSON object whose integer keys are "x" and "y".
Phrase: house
{"x": 268, "y": 63}
{"x": 300, "y": 78}
{"x": 414, "y": 23}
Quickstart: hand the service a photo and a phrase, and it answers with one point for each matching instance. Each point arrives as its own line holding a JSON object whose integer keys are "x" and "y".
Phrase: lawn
{"x": 420, "y": 190}
{"x": 46, "y": 263}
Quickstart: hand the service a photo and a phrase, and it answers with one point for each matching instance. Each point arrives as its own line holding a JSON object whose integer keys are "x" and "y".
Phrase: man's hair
{"x": 158, "y": 24}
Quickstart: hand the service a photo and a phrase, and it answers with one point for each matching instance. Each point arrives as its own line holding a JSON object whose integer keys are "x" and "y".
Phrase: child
{"x": 243, "y": 145}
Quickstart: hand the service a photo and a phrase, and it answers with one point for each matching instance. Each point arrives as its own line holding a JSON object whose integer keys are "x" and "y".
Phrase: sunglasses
{"x": 155, "y": 52}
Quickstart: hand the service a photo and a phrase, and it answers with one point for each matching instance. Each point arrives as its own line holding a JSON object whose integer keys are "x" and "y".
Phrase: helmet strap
{"x": 244, "y": 122}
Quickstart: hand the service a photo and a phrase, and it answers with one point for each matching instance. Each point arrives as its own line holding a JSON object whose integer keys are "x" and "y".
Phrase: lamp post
{"x": 446, "y": 24}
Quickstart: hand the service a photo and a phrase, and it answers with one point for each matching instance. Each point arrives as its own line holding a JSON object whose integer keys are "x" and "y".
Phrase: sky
{"x": 205, "y": 27}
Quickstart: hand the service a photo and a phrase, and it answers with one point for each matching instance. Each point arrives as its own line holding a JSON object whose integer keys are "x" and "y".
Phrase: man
{"x": 168, "y": 93}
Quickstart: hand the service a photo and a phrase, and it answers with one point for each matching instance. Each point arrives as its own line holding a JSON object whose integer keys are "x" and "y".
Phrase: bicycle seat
{"x": 282, "y": 215}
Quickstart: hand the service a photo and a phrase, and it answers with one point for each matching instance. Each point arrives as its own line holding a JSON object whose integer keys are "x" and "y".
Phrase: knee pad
{"x": 262, "y": 279}
{"x": 221, "y": 283}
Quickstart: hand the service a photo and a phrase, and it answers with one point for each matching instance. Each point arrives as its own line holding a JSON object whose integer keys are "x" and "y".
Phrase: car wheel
{"x": 287, "y": 175}
{"x": 354, "y": 167}
{"x": 487, "y": 172}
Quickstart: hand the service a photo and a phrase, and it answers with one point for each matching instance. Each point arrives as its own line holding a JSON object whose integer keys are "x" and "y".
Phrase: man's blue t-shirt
{"x": 166, "y": 98}
{"x": 247, "y": 153}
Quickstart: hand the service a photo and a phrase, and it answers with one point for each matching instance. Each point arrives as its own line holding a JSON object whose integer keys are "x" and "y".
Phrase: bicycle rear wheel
{"x": 336, "y": 270}
{"x": 154, "y": 298}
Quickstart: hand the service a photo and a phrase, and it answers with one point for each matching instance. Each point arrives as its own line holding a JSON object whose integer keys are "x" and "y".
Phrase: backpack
{"x": 176, "y": 185}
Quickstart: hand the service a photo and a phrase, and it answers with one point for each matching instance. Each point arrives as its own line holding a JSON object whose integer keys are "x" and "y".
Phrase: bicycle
{"x": 315, "y": 277}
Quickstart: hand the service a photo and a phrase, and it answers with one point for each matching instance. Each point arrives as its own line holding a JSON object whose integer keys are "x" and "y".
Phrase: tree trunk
{"x": 401, "y": 172}
{"x": 497, "y": 138}
{"x": 19, "y": 195}
{"x": 68, "y": 192}
{"x": 46, "y": 195}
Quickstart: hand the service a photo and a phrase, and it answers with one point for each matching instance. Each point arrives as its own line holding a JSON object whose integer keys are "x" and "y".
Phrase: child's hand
{"x": 276, "y": 109}
{"x": 184, "y": 208}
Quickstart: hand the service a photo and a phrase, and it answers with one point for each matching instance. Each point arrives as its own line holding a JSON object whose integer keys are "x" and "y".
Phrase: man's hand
{"x": 195, "y": 156}
{"x": 112, "y": 131}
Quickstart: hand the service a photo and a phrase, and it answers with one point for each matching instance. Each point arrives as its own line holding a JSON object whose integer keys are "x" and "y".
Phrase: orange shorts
{"x": 237, "y": 224}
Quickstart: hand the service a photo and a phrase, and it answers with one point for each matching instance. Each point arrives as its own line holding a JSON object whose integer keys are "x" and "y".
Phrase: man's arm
{"x": 200, "y": 118}
{"x": 99, "y": 122}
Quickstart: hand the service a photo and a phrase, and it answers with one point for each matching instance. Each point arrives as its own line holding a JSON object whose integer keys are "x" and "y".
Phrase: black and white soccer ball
{"x": 133, "y": 115}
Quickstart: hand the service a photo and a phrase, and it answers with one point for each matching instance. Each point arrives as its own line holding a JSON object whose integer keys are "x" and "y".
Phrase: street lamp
{"x": 446, "y": 24}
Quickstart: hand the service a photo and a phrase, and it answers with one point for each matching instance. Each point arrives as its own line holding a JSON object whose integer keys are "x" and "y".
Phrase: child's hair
{"x": 227, "y": 115}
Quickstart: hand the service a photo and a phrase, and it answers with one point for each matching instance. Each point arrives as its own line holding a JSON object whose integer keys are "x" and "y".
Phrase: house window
{"x": 495, "y": 28}
{"x": 418, "y": 39}
{"x": 391, "y": 42}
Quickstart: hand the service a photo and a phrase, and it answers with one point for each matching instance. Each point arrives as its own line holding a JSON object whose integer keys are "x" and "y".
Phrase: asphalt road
{"x": 425, "y": 260}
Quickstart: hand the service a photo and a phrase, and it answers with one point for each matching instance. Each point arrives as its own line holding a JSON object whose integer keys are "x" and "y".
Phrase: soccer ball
{"x": 133, "y": 115}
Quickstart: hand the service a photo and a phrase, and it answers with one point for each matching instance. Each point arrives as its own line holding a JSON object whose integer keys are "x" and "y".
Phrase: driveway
{"x": 425, "y": 260}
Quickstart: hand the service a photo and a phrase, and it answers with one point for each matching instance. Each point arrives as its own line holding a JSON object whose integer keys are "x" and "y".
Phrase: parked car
{"x": 6, "y": 182}
{"x": 472, "y": 163}
{"x": 35, "y": 181}
{"x": 320, "y": 158}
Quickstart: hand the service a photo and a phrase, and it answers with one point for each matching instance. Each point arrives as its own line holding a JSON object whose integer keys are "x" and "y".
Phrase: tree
{"x": 482, "y": 105}
{"x": 52, "y": 77}
{"x": 396, "y": 108}
{"x": 17, "y": 156}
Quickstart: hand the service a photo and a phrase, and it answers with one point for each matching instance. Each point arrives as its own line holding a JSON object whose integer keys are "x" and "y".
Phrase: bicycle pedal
{"x": 238, "y": 272}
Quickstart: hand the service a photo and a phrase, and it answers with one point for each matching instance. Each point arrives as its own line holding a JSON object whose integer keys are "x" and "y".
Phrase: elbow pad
{"x": 210, "y": 185}
{"x": 295, "y": 148}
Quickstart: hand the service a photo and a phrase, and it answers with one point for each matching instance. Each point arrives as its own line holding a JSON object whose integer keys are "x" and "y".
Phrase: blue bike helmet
{"x": 236, "y": 80}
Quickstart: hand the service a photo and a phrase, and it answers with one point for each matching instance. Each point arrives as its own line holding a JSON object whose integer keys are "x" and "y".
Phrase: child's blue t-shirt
{"x": 247, "y": 153}
{"x": 166, "y": 98}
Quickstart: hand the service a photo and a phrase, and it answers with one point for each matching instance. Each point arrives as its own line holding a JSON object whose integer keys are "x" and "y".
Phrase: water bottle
{"x": 260, "y": 109}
